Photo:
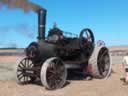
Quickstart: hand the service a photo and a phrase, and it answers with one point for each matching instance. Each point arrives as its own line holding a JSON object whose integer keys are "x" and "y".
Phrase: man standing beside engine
{"x": 125, "y": 70}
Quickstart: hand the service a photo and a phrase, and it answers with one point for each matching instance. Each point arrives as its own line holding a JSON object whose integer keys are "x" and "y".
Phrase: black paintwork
{"x": 69, "y": 49}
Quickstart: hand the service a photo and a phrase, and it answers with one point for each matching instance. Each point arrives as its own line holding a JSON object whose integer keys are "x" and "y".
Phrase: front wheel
{"x": 23, "y": 71}
{"x": 53, "y": 73}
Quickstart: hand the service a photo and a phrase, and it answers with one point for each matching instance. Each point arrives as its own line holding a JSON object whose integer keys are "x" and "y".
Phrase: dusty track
{"x": 109, "y": 87}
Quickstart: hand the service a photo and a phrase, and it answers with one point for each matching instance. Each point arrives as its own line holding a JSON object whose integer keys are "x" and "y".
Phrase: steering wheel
{"x": 86, "y": 38}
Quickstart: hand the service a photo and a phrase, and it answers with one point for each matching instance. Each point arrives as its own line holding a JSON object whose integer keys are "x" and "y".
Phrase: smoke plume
{"x": 23, "y": 29}
{"x": 26, "y": 5}
{"x": 0, "y": 5}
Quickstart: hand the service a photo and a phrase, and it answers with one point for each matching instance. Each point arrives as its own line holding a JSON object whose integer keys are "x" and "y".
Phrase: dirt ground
{"x": 109, "y": 87}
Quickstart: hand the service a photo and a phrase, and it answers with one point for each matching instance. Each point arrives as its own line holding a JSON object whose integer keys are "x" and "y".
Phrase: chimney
{"x": 41, "y": 24}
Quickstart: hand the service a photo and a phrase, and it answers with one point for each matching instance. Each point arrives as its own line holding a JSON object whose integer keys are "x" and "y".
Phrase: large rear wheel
{"x": 100, "y": 62}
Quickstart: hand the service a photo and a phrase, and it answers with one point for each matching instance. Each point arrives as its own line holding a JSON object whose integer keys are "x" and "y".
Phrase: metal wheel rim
{"x": 54, "y": 75}
{"x": 104, "y": 64}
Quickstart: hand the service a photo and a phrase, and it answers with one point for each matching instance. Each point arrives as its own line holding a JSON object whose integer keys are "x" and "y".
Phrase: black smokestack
{"x": 41, "y": 24}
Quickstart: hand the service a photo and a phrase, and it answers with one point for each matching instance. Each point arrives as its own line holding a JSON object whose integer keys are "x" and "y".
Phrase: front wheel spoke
{"x": 20, "y": 70}
{"x": 22, "y": 64}
{"x": 30, "y": 65}
{"x": 21, "y": 76}
{"x": 24, "y": 79}
{"x": 27, "y": 78}
{"x": 25, "y": 62}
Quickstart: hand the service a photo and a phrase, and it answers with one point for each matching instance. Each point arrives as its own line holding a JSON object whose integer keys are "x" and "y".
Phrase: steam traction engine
{"x": 51, "y": 58}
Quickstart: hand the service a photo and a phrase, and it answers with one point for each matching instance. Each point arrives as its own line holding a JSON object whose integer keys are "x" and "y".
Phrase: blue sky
{"x": 108, "y": 19}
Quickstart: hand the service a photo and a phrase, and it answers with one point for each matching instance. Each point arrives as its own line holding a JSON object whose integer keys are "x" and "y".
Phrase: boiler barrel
{"x": 47, "y": 50}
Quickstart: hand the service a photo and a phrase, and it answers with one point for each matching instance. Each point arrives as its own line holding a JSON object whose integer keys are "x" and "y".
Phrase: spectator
{"x": 125, "y": 70}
